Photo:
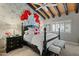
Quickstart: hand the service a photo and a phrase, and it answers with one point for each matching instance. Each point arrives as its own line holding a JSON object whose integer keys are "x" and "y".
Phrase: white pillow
{"x": 28, "y": 35}
{"x": 30, "y": 31}
{"x": 26, "y": 32}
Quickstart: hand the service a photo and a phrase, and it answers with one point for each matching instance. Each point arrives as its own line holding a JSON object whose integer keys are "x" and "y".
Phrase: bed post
{"x": 22, "y": 30}
{"x": 59, "y": 34}
{"x": 44, "y": 44}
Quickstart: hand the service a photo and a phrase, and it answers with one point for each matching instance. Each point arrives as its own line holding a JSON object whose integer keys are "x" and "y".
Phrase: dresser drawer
{"x": 13, "y": 43}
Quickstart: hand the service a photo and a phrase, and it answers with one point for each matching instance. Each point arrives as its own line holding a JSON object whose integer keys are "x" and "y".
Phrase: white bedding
{"x": 38, "y": 40}
{"x": 50, "y": 35}
{"x": 28, "y": 35}
{"x": 28, "y": 38}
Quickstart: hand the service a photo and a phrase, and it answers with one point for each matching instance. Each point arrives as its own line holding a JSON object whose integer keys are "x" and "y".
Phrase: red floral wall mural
{"x": 32, "y": 19}
{"x": 25, "y": 15}
{"x": 36, "y": 16}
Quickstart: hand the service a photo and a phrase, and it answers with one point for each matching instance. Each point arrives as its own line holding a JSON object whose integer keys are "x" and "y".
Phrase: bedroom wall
{"x": 5, "y": 27}
{"x": 8, "y": 20}
{"x": 9, "y": 16}
{"x": 74, "y": 34}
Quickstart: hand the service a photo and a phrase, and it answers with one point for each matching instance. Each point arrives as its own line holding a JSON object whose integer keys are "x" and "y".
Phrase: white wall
{"x": 10, "y": 16}
{"x": 4, "y": 27}
{"x": 74, "y": 35}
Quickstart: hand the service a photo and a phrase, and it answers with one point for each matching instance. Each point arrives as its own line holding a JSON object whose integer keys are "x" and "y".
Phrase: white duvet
{"x": 38, "y": 40}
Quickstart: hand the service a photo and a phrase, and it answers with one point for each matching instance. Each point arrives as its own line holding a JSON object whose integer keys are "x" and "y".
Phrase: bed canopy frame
{"x": 44, "y": 42}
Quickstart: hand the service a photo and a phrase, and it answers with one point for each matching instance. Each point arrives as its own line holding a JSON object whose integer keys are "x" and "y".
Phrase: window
{"x": 65, "y": 26}
{"x": 57, "y": 27}
{"x": 62, "y": 29}
{"x": 53, "y": 27}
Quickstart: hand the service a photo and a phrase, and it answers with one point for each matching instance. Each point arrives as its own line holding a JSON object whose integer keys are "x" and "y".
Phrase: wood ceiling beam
{"x": 36, "y": 11}
{"x": 39, "y": 11}
{"x": 65, "y": 8}
{"x": 45, "y": 13}
{"x": 60, "y": 8}
{"x": 39, "y": 4}
{"x": 51, "y": 12}
{"x": 43, "y": 10}
{"x": 56, "y": 8}
{"x": 77, "y": 7}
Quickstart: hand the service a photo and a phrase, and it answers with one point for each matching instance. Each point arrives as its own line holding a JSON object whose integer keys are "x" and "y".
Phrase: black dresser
{"x": 13, "y": 43}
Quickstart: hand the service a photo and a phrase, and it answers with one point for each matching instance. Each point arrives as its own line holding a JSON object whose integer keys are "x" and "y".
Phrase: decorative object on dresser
{"x": 13, "y": 43}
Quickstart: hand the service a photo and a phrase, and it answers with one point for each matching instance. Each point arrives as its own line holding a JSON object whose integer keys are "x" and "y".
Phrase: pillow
{"x": 28, "y": 35}
{"x": 26, "y": 32}
{"x": 30, "y": 31}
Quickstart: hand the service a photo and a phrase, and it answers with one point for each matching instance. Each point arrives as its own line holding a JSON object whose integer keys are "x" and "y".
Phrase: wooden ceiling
{"x": 60, "y": 9}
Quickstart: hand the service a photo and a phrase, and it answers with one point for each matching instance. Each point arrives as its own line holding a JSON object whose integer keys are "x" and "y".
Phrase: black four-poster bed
{"x": 34, "y": 47}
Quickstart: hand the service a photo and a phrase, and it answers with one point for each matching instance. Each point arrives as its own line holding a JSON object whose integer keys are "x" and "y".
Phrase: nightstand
{"x": 13, "y": 43}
